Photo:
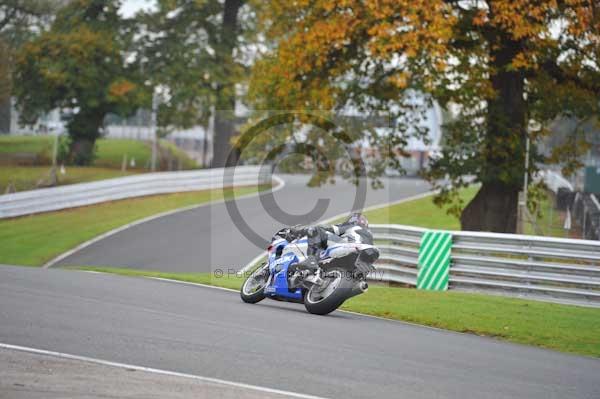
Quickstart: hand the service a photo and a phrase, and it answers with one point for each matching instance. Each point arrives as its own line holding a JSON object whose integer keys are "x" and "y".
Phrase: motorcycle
{"x": 341, "y": 273}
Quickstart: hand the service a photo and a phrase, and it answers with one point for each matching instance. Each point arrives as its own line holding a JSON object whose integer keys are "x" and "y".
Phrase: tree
{"x": 19, "y": 19}
{"x": 188, "y": 51}
{"x": 19, "y": 22}
{"x": 506, "y": 67}
{"x": 79, "y": 65}
{"x": 5, "y": 88}
{"x": 224, "y": 127}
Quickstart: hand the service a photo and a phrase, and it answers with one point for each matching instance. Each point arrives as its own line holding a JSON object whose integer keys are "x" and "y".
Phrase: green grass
{"x": 108, "y": 162}
{"x": 550, "y": 222}
{"x": 35, "y": 239}
{"x": 422, "y": 213}
{"x": 560, "y": 327}
{"x": 25, "y": 144}
{"x": 26, "y": 178}
{"x": 109, "y": 152}
{"x": 564, "y": 328}
{"x": 186, "y": 162}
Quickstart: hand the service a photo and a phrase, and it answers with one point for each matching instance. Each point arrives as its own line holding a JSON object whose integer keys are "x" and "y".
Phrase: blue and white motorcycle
{"x": 341, "y": 274}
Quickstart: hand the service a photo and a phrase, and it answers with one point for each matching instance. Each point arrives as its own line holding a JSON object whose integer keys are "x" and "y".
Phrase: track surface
{"x": 210, "y": 332}
{"x": 207, "y": 238}
{"x": 35, "y": 376}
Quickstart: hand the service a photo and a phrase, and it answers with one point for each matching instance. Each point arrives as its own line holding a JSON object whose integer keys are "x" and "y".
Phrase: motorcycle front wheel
{"x": 253, "y": 289}
{"x": 325, "y": 298}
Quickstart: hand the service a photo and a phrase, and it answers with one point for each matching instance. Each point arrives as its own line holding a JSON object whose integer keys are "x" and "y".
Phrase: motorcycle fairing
{"x": 278, "y": 287}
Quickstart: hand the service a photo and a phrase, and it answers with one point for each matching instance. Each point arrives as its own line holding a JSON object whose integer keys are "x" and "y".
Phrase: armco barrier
{"x": 541, "y": 268}
{"x": 74, "y": 195}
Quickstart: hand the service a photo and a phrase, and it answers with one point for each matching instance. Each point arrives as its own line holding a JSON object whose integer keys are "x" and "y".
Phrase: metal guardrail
{"x": 532, "y": 267}
{"x": 74, "y": 195}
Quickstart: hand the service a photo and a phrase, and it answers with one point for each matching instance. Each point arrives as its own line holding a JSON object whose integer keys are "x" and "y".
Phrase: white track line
{"x": 157, "y": 371}
{"x": 190, "y": 283}
{"x": 280, "y": 185}
{"x": 168, "y": 280}
{"x": 331, "y": 219}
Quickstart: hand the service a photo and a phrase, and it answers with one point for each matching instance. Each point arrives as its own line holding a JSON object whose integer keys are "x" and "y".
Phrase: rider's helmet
{"x": 358, "y": 219}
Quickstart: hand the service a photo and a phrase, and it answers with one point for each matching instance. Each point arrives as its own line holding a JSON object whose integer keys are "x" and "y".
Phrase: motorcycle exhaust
{"x": 360, "y": 288}
{"x": 363, "y": 286}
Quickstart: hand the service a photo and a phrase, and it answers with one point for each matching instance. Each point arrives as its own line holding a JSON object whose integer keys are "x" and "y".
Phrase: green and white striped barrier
{"x": 434, "y": 260}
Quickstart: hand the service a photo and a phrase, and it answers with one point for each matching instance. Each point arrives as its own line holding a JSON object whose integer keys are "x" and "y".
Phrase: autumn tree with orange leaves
{"x": 505, "y": 67}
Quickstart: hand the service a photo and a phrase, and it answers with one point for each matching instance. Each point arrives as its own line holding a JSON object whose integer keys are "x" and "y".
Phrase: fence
{"x": 584, "y": 208}
{"x": 541, "y": 268}
{"x": 74, "y": 195}
{"x": 586, "y": 213}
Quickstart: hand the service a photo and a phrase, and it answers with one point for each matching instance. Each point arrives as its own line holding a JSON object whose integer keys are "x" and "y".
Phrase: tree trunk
{"x": 82, "y": 151}
{"x": 84, "y": 129}
{"x": 5, "y": 110}
{"x": 5, "y": 87}
{"x": 223, "y": 152}
{"x": 494, "y": 208}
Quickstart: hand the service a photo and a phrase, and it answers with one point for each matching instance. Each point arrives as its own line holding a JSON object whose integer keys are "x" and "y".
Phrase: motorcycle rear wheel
{"x": 323, "y": 300}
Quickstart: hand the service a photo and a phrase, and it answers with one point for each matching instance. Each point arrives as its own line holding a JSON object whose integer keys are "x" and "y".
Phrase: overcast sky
{"x": 130, "y": 7}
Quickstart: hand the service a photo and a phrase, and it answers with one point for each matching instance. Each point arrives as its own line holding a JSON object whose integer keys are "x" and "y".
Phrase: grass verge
{"x": 109, "y": 152}
{"x": 25, "y": 173}
{"x": 422, "y": 213}
{"x": 25, "y": 144}
{"x": 35, "y": 239}
{"x": 26, "y": 178}
{"x": 565, "y": 328}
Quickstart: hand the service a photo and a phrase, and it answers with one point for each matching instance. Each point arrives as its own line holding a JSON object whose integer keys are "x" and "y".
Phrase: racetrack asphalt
{"x": 210, "y": 332}
{"x": 207, "y": 238}
{"x": 26, "y": 375}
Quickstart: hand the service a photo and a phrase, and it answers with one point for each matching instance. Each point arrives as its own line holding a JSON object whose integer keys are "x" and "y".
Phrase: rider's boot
{"x": 317, "y": 239}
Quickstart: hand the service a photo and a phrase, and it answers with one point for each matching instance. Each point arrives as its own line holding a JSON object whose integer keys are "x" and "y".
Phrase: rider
{"x": 354, "y": 229}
